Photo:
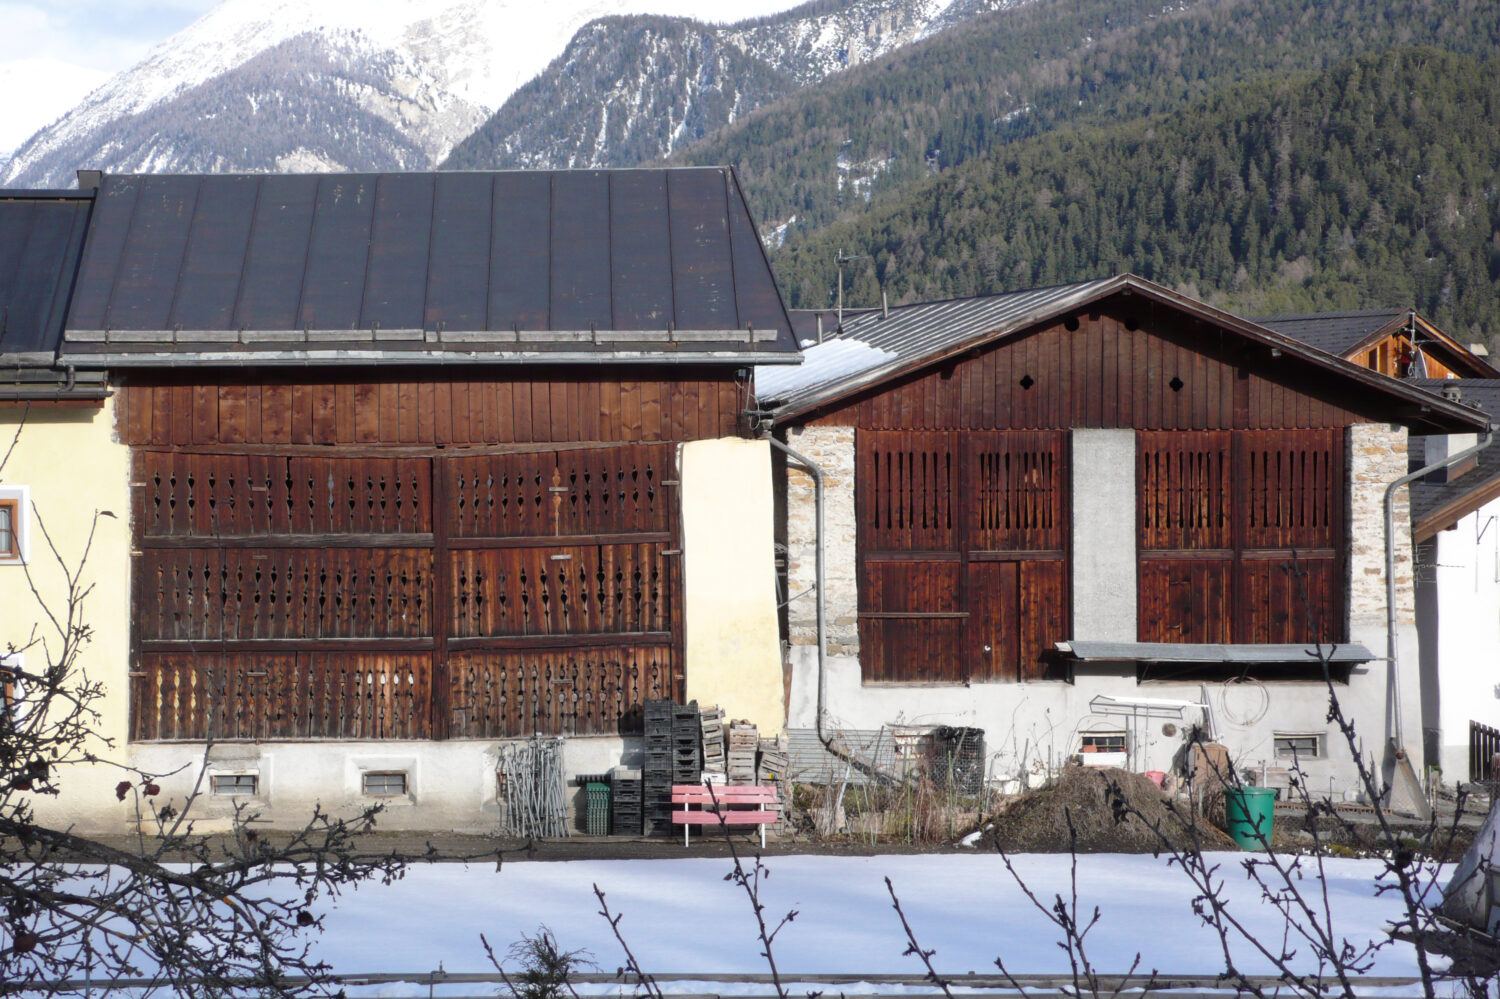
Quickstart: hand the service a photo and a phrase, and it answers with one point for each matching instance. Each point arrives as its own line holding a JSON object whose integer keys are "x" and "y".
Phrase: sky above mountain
{"x": 54, "y": 52}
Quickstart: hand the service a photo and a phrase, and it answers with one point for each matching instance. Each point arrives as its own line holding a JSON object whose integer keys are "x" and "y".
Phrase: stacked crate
{"x": 775, "y": 761}
{"x": 687, "y": 730}
{"x": 626, "y": 813}
{"x": 656, "y": 770}
{"x": 711, "y": 722}
{"x": 744, "y": 742}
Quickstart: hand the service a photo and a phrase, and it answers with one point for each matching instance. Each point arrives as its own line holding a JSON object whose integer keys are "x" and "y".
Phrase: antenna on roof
{"x": 841, "y": 259}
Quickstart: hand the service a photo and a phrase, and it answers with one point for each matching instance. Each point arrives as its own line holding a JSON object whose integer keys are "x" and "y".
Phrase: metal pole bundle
{"x": 531, "y": 776}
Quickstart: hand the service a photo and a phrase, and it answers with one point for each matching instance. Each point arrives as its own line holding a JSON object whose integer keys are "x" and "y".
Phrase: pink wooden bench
{"x": 724, "y": 804}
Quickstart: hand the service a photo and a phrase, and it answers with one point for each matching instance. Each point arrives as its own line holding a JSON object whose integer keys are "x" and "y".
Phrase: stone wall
{"x": 1377, "y": 456}
{"x": 832, "y": 450}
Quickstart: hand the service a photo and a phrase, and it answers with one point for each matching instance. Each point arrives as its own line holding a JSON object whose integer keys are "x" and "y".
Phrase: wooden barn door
{"x": 963, "y": 553}
{"x": 282, "y": 597}
{"x": 345, "y": 597}
{"x": 1240, "y": 536}
{"x": 563, "y": 589}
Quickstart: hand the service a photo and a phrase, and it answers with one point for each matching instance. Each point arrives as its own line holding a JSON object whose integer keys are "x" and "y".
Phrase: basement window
{"x": 384, "y": 783}
{"x": 1300, "y": 746}
{"x": 244, "y": 785}
{"x": 1101, "y": 742}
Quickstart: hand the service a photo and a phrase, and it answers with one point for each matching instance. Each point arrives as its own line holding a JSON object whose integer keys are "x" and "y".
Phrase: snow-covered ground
{"x": 682, "y": 916}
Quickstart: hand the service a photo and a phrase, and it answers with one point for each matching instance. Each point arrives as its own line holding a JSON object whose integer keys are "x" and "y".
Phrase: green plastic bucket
{"x": 1251, "y": 812}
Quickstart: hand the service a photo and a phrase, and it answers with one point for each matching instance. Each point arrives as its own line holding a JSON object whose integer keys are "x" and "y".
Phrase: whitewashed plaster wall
{"x": 1459, "y": 622}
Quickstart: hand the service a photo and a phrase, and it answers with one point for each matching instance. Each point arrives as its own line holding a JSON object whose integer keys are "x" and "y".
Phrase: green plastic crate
{"x": 596, "y": 808}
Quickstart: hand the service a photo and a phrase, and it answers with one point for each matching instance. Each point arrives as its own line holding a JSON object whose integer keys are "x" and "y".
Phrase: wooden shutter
{"x": 1240, "y": 536}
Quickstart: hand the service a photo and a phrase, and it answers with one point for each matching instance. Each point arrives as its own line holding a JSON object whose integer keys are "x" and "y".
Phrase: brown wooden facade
{"x": 963, "y": 495}
{"x": 411, "y": 556}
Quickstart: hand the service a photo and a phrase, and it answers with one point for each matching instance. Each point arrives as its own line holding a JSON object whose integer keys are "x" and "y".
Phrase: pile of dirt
{"x": 1106, "y": 807}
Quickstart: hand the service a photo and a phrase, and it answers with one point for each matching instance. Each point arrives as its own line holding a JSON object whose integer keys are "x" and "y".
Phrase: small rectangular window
{"x": 241, "y": 784}
{"x": 385, "y": 784}
{"x": 1102, "y": 742}
{"x": 10, "y": 530}
{"x": 1301, "y": 747}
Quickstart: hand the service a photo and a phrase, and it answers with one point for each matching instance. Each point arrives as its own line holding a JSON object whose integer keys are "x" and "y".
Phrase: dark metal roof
{"x": 1451, "y": 500}
{"x": 41, "y": 236}
{"x": 1333, "y": 332}
{"x": 875, "y": 347}
{"x": 587, "y": 266}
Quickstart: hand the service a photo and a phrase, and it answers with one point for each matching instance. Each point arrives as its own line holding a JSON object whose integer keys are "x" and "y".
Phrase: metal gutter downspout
{"x": 1394, "y": 734}
{"x": 817, "y": 473}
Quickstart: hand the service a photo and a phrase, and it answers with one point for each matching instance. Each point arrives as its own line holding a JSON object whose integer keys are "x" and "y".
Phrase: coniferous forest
{"x": 1372, "y": 183}
{"x": 1269, "y": 156}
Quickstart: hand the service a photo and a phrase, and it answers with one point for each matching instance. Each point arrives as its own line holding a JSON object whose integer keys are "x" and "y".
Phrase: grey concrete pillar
{"x": 1104, "y": 550}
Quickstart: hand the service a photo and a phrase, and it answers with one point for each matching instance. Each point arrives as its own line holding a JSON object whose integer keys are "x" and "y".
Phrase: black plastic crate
{"x": 958, "y": 759}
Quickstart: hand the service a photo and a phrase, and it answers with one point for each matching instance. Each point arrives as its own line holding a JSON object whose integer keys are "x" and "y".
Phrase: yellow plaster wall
{"x": 729, "y": 573}
{"x": 72, "y": 463}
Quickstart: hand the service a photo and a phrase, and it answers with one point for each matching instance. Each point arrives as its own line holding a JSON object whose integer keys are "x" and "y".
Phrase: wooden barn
{"x": 1081, "y": 517}
{"x": 420, "y": 462}
{"x": 1395, "y": 342}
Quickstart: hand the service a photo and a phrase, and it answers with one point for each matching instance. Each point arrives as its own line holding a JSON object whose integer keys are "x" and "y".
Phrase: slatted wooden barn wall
{"x": 1241, "y": 536}
{"x": 497, "y": 406}
{"x": 388, "y": 593}
{"x": 963, "y": 553}
{"x": 1100, "y": 374}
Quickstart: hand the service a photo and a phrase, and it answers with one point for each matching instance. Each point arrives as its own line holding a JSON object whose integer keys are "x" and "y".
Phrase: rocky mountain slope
{"x": 340, "y": 84}
{"x": 631, "y": 89}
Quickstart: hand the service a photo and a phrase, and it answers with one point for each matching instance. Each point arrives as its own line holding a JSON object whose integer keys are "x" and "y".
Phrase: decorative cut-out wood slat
{"x": 245, "y": 594}
{"x": 614, "y": 490}
{"x": 574, "y": 691}
{"x": 322, "y": 629}
{"x": 908, "y": 484}
{"x": 211, "y": 495}
{"x": 1016, "y": 490}
{"x": 561, "y": 590}
{"x": 303, "y": 695}
{"x": 1293, "y": 489}
{"x": 1184, "y": 490}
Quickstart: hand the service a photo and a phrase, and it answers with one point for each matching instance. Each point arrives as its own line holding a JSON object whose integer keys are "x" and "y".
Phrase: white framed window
{"x": 245, "y": 784}
{"x": 15, "y": 525}
{"x": 1298, "y": 745}
{"x": 383, "y": 783}
{"x": 1101, "y": 742}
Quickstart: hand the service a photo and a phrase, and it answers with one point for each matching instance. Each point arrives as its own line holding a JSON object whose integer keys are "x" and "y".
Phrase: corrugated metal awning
{"x": 1187, "y": 652}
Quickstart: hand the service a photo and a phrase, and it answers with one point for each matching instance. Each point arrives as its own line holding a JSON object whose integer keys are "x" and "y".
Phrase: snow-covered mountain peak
{"x": 450, "y": 62}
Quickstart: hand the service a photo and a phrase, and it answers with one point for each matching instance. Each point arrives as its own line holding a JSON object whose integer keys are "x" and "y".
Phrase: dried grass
{"x": 1037, "y": 821}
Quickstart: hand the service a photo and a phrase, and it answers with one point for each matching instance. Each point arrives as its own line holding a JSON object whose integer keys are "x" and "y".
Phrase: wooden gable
{"x": 1121, "y": 363}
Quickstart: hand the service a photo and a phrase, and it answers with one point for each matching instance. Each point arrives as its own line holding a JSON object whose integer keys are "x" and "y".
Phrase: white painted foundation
{"x": 1033, "y": 728}
{"x": 451, "y": 785}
